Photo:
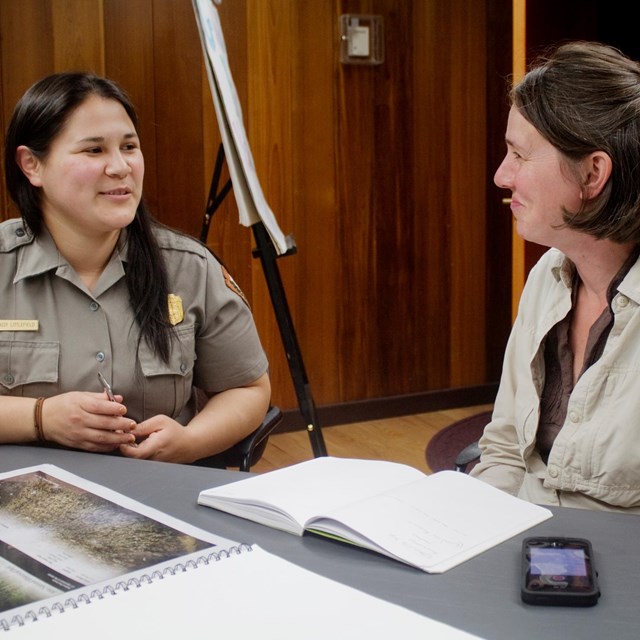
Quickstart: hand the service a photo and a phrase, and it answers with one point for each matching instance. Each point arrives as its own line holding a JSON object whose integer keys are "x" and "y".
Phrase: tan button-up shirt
{"x": 594, "y": 462}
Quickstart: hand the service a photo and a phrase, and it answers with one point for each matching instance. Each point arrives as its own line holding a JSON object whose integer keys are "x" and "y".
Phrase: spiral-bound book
{"x": 61, "y": 536}
{"x": 79, "y": 561}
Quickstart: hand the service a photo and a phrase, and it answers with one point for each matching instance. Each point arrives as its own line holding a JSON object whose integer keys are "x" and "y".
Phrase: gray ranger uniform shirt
{"x": 55, "y": 334}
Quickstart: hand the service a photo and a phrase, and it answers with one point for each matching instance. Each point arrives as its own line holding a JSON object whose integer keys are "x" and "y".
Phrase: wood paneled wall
{"x": 379, "y": 172}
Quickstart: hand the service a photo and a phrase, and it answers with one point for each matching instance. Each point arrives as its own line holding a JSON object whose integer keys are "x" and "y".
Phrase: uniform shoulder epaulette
{"x": 13, "y": 235}
{"x": 170, "y": 239}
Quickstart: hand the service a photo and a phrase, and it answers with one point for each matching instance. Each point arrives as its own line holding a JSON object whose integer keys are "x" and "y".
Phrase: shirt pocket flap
{"x": 181, "y": 358}
{"x": 24, "y": 362}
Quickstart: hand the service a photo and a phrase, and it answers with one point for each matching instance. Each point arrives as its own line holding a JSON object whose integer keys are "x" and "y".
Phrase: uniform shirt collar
{"x": 41, "y": 256}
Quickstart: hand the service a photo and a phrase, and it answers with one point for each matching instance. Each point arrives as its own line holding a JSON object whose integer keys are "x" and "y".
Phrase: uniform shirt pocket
{"x": 167, "y": 385}
{"x": 28, "y": 363}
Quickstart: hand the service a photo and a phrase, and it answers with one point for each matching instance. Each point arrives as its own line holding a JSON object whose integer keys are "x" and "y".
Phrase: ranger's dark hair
{"x": 585, "y": 97}
{"x": 38, "y": 118}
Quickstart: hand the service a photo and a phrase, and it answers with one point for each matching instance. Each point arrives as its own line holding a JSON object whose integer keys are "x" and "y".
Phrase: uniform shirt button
{"x": 94, "y": 306}
{"x": 183, "y": 367}
{"x": 574, "y": 416}
{"x": 100, "y": 356}
{"x": 9, "y": 379}
{"x": 553, "y": 472}
{"x": 623, "y": 301}
{"x": 20, "y": 232}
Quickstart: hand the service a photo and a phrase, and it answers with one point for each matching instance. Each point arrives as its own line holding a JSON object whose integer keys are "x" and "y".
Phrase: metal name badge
{"x": 19, "y": 325}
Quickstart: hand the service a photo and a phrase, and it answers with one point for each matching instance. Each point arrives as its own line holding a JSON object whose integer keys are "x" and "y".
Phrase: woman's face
{"x": 91, "y": 179}
{"x": 540, "y": 184}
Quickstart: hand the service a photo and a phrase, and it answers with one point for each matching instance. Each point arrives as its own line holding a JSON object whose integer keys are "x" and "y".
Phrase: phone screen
{"x": 559, "y": 566}
{"x": 558, "y": 571}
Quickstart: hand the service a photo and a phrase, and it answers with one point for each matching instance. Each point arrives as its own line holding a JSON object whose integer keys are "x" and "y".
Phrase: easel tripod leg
{"x": 267, "y": 254}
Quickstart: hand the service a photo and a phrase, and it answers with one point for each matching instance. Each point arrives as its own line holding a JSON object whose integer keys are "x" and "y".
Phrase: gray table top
{"x": 480, "y": 596}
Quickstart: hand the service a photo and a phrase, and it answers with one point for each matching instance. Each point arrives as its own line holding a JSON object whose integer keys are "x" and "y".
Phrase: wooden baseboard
{"x": 391, "y": 407}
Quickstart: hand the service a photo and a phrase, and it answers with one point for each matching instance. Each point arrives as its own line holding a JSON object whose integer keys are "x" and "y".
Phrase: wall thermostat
{"x": 361, "y": 39}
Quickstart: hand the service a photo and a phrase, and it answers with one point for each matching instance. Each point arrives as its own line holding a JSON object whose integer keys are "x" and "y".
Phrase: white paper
{"x": 437, "y": 522}
{"x": 252, "y": 595}
{"x": 432, "y": 522}
{"x": 304, "y": 490}
{"x": 252, "y": 205}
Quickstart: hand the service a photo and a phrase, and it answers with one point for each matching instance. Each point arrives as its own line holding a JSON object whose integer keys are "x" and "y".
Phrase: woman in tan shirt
{"x": 566, "y": 422}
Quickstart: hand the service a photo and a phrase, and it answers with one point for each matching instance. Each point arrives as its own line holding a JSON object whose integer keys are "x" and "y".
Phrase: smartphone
{"x": 559, "y": 571}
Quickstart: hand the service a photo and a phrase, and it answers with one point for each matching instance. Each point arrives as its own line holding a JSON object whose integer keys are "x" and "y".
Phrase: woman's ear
{"x": 29, "y": 164}
{"x": 597, "y": 171}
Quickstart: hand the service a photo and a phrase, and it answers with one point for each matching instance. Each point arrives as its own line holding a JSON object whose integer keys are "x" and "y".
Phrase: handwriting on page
{"x": 437, "y": 522}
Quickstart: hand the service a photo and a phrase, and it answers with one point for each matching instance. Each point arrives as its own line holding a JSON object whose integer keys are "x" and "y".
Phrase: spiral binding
{"x": 137, "y": 581}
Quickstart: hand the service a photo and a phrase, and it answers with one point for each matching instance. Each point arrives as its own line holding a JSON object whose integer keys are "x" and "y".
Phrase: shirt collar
{"x": 626, "y": 281}
{"x": 41, "y": 256}
{"x": 563, "y": 269}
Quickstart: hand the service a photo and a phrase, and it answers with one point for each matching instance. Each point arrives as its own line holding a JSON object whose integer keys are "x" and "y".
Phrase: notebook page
{"x": 316, "y": 486}
{"x": 254, "y": 594}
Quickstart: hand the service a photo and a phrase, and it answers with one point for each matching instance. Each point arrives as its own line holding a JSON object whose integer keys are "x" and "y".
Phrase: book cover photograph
{"x": 58, "y": 534}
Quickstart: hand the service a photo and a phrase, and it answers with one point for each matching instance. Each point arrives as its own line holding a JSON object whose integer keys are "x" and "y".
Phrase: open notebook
{"x": 432, "y": 522}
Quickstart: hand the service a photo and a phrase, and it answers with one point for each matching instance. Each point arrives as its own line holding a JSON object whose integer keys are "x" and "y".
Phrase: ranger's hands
{"x": 87, "y": 421}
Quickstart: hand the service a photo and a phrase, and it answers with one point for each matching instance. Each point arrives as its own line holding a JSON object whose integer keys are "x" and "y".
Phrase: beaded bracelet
{"x": 37, "y": 419}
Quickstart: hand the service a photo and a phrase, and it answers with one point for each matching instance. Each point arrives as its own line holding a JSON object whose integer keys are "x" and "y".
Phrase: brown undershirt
{"x": 558, "y": 359}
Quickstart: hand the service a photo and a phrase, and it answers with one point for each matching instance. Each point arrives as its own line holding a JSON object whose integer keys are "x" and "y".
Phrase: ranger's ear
{"x": 29, "y": 164}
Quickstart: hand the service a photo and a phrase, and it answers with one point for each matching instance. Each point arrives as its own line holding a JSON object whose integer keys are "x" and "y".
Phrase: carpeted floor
{"x": 446, "y": 444}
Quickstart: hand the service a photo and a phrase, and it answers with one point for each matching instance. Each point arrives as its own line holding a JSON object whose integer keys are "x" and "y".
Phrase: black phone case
{"x": 558, "y": 598}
